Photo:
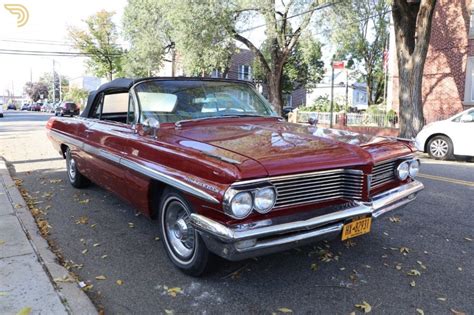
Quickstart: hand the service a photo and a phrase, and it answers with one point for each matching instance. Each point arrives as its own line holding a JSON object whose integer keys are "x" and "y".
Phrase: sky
{"x": 46, "y": 30}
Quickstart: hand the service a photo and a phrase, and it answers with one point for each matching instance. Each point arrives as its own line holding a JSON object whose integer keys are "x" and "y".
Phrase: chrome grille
{"x": 383, "y": 173}
{"x": 318, "y": 186}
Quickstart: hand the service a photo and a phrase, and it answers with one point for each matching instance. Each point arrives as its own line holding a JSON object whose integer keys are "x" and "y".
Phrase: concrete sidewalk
{"x": 27, "y": 266}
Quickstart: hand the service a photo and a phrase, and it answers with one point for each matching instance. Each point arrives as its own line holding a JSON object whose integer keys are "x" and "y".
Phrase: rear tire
{"x": 183, "y": 244}
{"x": 440, "y": 148}
{"x": 76, "y": 179}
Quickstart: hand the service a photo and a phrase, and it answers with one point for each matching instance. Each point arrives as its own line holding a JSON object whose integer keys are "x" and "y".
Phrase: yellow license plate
{"x": 356, "y": 228}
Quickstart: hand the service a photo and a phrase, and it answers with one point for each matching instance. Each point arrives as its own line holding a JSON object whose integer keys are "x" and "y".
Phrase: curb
{"x": 73, "y": 298}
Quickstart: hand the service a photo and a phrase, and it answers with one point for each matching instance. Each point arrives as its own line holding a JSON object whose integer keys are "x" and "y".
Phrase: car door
{"x": 463, "y": 131}
{"x": 107, "y": 141}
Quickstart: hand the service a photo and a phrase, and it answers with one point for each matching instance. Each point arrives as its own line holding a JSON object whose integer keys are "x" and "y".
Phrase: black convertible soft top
{"x": 124, "y": 85}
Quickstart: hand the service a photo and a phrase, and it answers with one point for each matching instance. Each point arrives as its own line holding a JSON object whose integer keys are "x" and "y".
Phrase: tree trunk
{"x": 275, "y": 94}
{"x": 412, "y": 21}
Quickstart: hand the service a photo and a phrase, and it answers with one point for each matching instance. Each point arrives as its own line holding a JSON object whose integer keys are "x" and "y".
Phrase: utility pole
{"x": 347, "y": 89}
{"x": 54, "y": 85}
{"x": 332, "y": 93}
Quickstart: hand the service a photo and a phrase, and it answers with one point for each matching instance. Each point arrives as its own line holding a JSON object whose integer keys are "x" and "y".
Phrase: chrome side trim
{"x": 67, "y": 139}
{"x": 385, "y": 201}
{"x": 147, "y": 171}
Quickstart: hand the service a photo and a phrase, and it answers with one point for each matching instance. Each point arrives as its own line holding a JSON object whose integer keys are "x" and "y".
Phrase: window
{"x": 288, "y": 100}
{"x": 113, "y": 107}
{"x": 469, "y": 84}
{"x": 131, "y": 110}
{"x": 215, "y": 74}
{"x": 115, "y": 103}
{"x": 245, "y": 73}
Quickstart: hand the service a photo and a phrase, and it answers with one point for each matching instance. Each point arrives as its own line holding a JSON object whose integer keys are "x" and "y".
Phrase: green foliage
{"x": 303, "y": 68}
{"x": 35, "y": 90}
{"x": 47, "y": 79}
{"x": 100, "y": 43}
{"x": 360, "y": 30}
{"x": 78, "y": 96}
{"x": 322, "y": 104}
{"x": 148, "y": 33}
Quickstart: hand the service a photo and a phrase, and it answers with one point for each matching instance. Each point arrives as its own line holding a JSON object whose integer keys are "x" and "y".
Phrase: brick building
{"x": 448, "y": 80}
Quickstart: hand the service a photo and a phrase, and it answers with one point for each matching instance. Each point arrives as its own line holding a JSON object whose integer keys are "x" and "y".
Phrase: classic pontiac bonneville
{"x": 223, "y": 174}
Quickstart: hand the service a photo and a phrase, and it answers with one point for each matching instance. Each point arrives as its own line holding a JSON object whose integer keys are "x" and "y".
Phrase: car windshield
{"x": 177, "y": 100}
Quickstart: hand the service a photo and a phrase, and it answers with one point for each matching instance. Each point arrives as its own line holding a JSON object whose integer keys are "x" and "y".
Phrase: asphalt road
{"x": 432, "y": 236}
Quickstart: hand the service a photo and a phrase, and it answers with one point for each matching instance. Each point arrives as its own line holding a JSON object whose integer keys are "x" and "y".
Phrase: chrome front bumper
{"x": 274, "y": 235}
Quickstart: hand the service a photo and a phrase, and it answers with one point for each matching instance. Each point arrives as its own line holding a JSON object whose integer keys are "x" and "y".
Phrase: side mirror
{"x": 151, "y": 126}
{"x": 313, "y": 120}
{"x": 466, "y": 118}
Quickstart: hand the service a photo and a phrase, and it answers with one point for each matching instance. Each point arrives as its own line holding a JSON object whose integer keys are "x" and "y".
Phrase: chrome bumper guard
{"x": 266, "y": 236}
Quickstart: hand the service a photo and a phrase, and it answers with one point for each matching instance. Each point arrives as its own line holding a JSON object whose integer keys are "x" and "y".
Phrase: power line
{"x": 48, "y": 53}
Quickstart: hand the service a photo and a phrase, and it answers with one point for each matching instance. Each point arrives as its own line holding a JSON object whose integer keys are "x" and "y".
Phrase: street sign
{"x": 338, "y": 64}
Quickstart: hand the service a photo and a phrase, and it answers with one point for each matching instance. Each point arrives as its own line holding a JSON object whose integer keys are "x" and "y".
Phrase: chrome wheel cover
{"x": 180, "y": 235}
{"x": 439, "y": 148}
{"x": 72, "y": 169}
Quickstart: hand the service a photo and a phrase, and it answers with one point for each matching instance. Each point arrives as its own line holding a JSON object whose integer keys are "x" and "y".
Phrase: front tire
{"x": 440, "y": 148}
{"x": 183, "y": 244}
{"x": 76, "y": 179}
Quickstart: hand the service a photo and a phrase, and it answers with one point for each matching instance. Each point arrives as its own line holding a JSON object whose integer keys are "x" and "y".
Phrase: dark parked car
{"x": 67, "y": 109}
{"x": 36, "y": 107}
{"x": 11, "y": 107}
{"x": 224, "y": 175}
{"x": 25, "y": 107}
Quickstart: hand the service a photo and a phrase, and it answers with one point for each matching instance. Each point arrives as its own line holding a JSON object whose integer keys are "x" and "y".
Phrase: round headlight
{"x": 264, "y": 199}
{"x": 414, "y": 168}
{"x": 241, "y": 205}
{"x": 403, "y": 170}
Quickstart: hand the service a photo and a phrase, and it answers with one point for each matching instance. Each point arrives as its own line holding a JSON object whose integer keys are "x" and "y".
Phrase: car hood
{"x": 285, "y": 148}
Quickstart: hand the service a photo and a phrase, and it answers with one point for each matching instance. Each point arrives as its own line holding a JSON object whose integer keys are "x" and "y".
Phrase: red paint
{"x": 259, "y": 147}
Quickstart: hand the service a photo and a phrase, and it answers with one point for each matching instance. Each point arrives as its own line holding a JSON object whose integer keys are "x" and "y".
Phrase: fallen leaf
{"x": 457, "y": 312}
{"x": 84, "y": 201}
{"x": 55, "y": 181}
{"x": 421, "y": 264}
{"x": 2, "y": 242}
{"x": 414, "y": 272}
{"x": 365, "y": 307}
{"x": 82, "y": 220}
{"x": 420, "y": 311}
{"x": 157, "y": 238}
{"x": 131, "y": 225}
{"x": 84, "y": 251}
{"x": 413, "y": 284}
{"x": 24, "y": 311}
{"x": 395, "y": 219}
{"x": 174, "y": 291}
{"x": 93, "y": 225}
{"x": 442, "y": 299}
{"x": 100, "y": 278}
{"x": 169, "y": 312}
{"x": 342, "y": 268}
{"x": 404, "y": 250}
{"x": 104, "y": 256}
{"x": 119, "y": 282}
{"x": 285, "y": 310}
{"x": 468, "y": 239}
{"x": 96, "y": 244}
{"x": 66, "y": 278}
{"x": 314, "y": 267}
{"x": 459, "y": 268}
{"x": 398, "y": 267}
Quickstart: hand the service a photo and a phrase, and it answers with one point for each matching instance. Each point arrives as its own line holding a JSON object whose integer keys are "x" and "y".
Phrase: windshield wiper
{"x": 180, "y": 122}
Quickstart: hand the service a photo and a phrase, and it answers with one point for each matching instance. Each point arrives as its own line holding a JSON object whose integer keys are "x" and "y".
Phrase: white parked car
{"x": 445, "y": 138}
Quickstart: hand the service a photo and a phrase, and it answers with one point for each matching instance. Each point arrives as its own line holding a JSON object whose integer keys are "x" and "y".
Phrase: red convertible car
{"x": 223, "y": 174}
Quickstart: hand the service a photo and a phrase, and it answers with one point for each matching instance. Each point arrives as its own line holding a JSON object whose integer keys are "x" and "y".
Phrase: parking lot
{"x": 419, "y": 258}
